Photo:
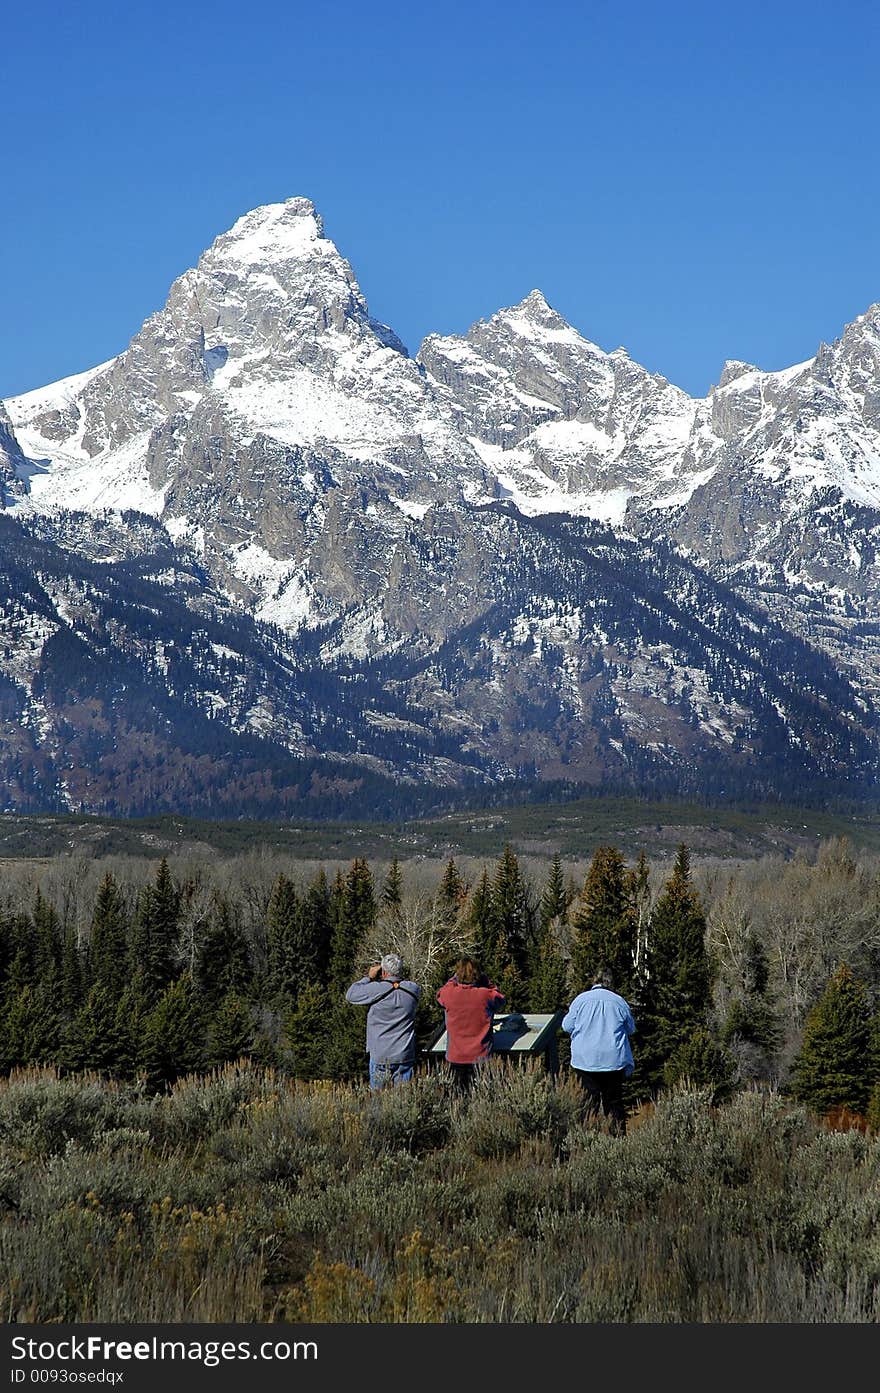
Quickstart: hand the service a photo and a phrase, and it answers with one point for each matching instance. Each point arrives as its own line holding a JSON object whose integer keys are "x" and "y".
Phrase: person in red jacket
{"x": 469, "y": 1001}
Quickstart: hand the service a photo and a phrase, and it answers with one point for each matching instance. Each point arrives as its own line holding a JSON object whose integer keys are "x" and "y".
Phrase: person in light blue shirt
{"x": 600, "y": 1024}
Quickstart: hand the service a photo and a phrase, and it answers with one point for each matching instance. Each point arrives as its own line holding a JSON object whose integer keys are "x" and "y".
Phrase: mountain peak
{"x": 535, "y": 303}
{"x": 534, "y": 317}
{"x": 535, "y": 309}
{"x": 864, "y": 324}
{"x": 273, "y": 232}
{"x": 734, "y": 368}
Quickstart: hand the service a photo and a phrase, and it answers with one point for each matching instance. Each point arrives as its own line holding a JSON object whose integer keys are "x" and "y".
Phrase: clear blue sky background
{"x": 692, "y": 181}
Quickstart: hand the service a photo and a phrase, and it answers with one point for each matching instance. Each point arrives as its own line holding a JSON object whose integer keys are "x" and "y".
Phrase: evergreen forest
{"x": 185, "y": 1094}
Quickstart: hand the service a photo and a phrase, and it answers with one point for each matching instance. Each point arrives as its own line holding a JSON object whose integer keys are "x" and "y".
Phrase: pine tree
{"x": 484, "y": 928}
{"x": 231, "y": 1031}
{"x": 872, "y": 1116}
{"x": 874, "y": 1067}
{"x": 553, "y": 901}
{"x": 298, "y": 938}
{"x": 305, "y": 1028}
{"x": 701, "y": 1062}
{"x": 108, "y": 965}
{"x": 479, "y": 919}
{"x": 337, "y": 901}
{"x": 102, "y": 1034}
{"x": 139, "y": 947}
{"x": 345, "y": 1057}
{"x": 317, "y": 926}
{"x": 71, "y": 987}
{"x": 47, "y": 942}
{"x": 264, "y": 1051}
{"x": 165, "y": 927}
{"x": 223, "y": 961}
{"x": 283, "y": 933}
{"x": 21, "y": 970}
{"x": 501, "y": 920}
{"x": 30, "y": 1028}
{"x": 173, "y": 1035}
{"x": 548, "y": 985}
{"x": 451, "y": 893}
{"x": 832, "y": 1068}
{"x": 131, "y": 1017}
{"x": 512, "y": 908}
{"x": 356, "y": 916}
{"x": 6, "y": 948}
{"x": 392, "y": 890}
{"x": 676, "y": 995}
{"x": 604, "y": 925}
{"x": 155, "y": 934}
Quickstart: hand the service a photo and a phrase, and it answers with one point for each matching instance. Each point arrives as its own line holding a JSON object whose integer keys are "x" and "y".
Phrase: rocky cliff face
{"x": 264, "y": 445}
{"x": 789, "y": 508}
{"x": 561, "y": 424}
{"x": 13, "y": 466}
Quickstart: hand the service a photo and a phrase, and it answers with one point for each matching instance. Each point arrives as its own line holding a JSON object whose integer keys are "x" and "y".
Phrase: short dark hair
{"x": 604, "y": 977}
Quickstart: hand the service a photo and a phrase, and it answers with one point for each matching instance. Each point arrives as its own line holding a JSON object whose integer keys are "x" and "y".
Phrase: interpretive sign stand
{"x": 517, "y": 1035}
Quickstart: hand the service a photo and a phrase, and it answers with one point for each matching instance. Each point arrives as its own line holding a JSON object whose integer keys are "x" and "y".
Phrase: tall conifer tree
{"x": 283, "y": 933}
{"x": 451, "y": 892}
{"x": 30, "y": 1027}
{"x": 481, "y": 924}
{"x": 392, "y": 890}
{"x": 306, "y": 1029}
{"x": 833, "y": 1066}
{"x": 604, "y": 924}
{"x": 553, "y": 901}
{"x": 223, "y": 961}
{"x": 507, "y": 931}
{"x": 356, "y": 916}
{"x": 548, "y": 985}
{"x": 108, "y": 945}
{"x": 317, "y": 924}
{"x": 751, "y": 1027}
{"x": 20, "y": 957}
{"x": 230, "y": 1032}
{"x": 155, "y": 934}
{"x": 47, "y": 942}
{"x": 173, "y": 1037}
{"x": 677, "y": 990}
{"x": 102, "y": 1034}
{"x": 71, "y": 982}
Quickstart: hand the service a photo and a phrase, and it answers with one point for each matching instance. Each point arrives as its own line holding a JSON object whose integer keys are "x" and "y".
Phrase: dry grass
{"x": 244, "y": 1196}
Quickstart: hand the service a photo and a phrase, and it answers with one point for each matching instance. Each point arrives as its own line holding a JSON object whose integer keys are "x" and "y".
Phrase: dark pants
{"x": 463, "y": 1076}
{"x": 605, "y": 1087}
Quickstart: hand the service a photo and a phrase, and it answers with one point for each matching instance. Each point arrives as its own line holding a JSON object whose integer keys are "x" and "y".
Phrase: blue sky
{"x": 692, "y": 181}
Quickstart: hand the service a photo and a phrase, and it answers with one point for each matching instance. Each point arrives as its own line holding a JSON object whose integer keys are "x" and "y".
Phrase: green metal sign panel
{"x": 516, "y": 1033}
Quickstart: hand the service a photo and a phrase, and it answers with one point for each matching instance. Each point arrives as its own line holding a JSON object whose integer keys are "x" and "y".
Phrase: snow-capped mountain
{"x": 562, "y": 425}
{"x": 252, "y": 414}
{"x": 265, "y": 448}
{"x": 789, "y": 509}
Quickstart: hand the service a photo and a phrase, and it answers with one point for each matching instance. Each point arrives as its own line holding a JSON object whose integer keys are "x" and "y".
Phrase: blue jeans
{"x": 382, "y": 1072}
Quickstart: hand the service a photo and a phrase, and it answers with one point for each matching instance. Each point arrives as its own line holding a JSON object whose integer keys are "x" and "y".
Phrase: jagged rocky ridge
{"x": 403, "y": 553}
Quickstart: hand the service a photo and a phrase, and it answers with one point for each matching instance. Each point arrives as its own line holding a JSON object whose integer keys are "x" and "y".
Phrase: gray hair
{"x": 604, "y": 978}
{"x": 392, "y": 963}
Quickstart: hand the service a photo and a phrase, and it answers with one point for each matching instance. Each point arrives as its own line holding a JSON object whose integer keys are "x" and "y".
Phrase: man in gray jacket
{"x": 391, "y": 1001}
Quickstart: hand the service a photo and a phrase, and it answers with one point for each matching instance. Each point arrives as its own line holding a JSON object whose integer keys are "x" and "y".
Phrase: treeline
{"x": 168, "y": 981}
